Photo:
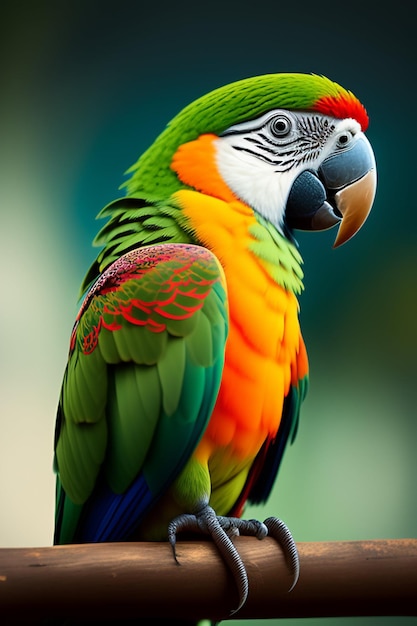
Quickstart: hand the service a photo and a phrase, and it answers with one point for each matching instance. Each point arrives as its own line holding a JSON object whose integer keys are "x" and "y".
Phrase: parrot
{"x": 187, "y": 368}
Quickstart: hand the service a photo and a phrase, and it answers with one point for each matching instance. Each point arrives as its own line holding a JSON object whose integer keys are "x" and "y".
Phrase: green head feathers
{"x": 237, "y": 102}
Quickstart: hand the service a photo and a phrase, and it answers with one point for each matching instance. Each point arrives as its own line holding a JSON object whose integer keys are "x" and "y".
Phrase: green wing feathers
{"x": 144, "y": 368}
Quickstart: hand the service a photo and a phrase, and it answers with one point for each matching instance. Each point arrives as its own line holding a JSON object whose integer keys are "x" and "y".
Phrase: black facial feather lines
{"x": 304, "y": 142}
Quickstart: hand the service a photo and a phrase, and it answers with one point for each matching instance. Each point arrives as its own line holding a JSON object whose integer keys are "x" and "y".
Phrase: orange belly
{"x": 260, "y": 355}
{"x": 264, "y": 356}
{"x": 264, "y": 351}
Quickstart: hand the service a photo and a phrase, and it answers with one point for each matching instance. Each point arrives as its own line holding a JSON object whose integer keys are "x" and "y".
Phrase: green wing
{"x": 145, "y": 365}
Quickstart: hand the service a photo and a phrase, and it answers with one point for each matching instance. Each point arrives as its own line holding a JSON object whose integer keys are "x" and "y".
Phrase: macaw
{"x": 186, "y": 366}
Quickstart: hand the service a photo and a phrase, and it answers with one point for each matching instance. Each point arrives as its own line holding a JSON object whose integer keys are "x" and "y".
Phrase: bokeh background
{"x": 85, "y": 88}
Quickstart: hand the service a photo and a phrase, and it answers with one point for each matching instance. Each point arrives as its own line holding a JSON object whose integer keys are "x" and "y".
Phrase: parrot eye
{"x": 344, "y": 139}
{"x": 280, "y": 126}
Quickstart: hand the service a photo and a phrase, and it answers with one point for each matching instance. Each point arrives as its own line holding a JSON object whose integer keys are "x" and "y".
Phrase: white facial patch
{"x": 255, "y": 182}
{"x": 260, "y": 159}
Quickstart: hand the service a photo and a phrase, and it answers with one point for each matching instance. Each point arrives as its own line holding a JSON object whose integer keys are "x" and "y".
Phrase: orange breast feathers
{"x": 265, "y": 352}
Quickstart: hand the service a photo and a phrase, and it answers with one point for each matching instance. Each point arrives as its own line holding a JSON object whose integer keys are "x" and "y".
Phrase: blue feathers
{"x": 114, "y": 517}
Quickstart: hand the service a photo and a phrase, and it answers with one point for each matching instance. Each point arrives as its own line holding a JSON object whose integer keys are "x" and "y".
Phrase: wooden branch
{"x": 124, "y": 580}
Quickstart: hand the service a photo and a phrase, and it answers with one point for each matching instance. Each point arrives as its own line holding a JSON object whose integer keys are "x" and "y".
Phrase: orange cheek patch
{"x": 195, "y": 165}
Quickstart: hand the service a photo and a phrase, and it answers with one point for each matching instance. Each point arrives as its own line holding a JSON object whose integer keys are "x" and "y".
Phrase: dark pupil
{"x": 280, "y": 126}
{"x": 343, "y": 139}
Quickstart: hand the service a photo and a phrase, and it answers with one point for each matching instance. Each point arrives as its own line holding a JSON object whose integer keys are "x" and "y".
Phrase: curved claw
{"x": 231, "y": 557}
{"x": 280, "y": 531}
{"x": 220, "y": 529}
{"x": 181, "y": 523}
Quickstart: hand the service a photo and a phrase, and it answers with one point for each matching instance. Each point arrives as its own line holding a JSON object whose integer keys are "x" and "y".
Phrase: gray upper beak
{"x": 341, "y": 191}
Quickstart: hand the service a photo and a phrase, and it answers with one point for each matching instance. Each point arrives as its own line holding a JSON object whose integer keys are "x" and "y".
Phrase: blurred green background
{"x": 85, "y": 88}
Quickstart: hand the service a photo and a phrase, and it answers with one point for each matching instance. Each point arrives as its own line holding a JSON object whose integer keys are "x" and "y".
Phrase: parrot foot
{"x": 282, "y": 534}
{"x": 221, "y": 529}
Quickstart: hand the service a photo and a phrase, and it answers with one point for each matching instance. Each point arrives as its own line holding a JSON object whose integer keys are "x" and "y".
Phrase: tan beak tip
{"x": 355, "y": 202}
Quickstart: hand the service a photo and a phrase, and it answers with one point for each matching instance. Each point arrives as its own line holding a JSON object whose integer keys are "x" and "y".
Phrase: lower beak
{"x": 354, "y": 203}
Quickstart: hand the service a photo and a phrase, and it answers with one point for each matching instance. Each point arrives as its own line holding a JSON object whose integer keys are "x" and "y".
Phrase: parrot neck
{"x": 225, "y": 224}
{"x": 245, "y": 244}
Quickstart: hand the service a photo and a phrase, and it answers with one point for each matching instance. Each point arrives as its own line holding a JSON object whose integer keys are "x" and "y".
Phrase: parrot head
{"x": 313, "y": 170}
{"x": 291, "y": 146}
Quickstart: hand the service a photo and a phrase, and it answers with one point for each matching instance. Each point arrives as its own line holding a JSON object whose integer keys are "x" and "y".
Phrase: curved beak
{"x": 355, "y": 202}
{"x": 341, "y": 192}
{"x": 350, "y": 178}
